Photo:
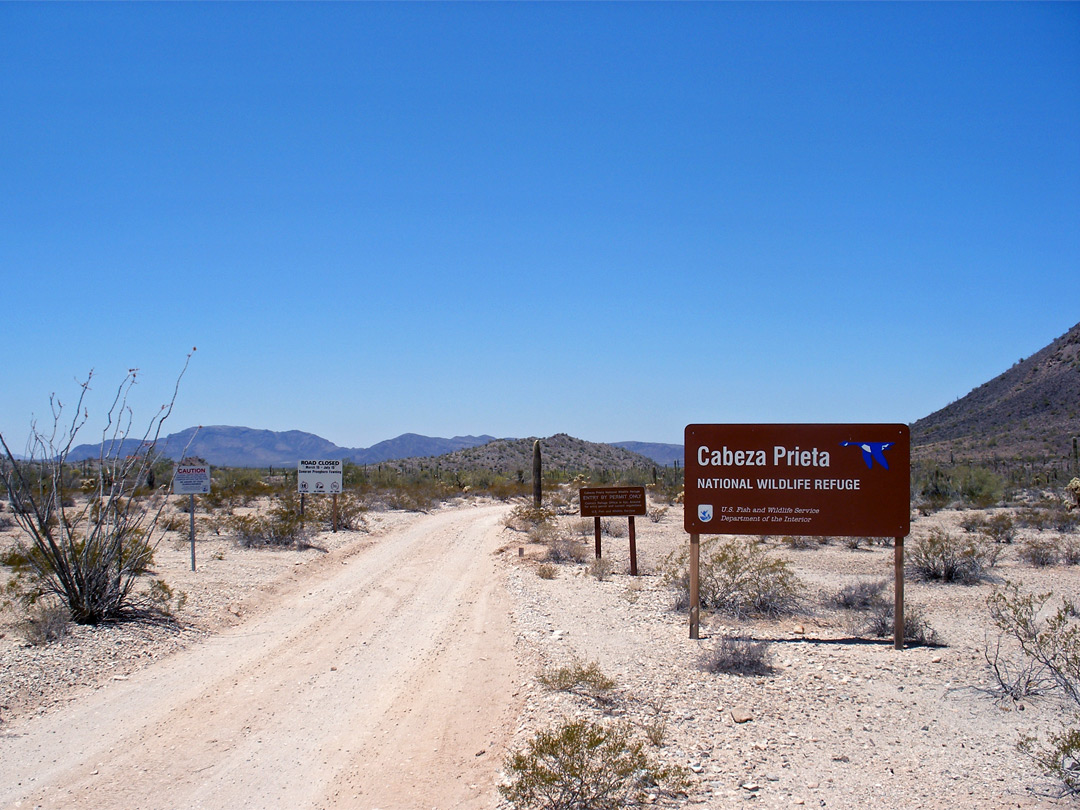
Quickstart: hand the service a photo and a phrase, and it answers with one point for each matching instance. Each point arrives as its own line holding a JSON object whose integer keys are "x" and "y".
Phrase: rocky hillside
{"x": 1030, "y": 411}
{"x": 561, "y": 452}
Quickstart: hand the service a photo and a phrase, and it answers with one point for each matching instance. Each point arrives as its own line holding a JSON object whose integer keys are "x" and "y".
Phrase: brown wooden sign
{"x": 817, "y": 480}
{"x": 612, "y": 501}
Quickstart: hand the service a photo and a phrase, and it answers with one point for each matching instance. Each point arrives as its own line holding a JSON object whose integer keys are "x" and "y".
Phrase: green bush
{"x": 583, "y": 679}
{"x": 282, "y": 526}
{"x": 736, "y": 577}
{"x": 581, "y": 765}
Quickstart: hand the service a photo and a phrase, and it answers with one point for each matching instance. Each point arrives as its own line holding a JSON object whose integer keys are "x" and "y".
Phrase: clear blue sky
{"x": 604, "y": 219}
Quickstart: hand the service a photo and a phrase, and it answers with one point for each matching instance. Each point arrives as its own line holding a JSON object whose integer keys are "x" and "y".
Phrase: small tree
{"x": 88, "y": 553}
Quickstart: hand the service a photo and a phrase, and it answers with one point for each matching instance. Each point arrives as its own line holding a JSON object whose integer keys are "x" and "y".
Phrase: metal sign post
{"x": 813, "y": 480}
{"x": 191, "y": 479}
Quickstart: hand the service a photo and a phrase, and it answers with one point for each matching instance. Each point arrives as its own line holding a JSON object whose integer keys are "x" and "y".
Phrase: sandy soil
{"x": 398, "y": 668}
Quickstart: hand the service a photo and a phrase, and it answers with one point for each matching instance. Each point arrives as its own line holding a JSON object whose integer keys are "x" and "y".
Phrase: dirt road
{"x": 384, "y": 679}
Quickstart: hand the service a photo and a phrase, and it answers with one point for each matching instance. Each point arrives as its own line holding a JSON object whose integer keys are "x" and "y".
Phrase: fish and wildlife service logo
{"x": 871, "y": 452}
{"x": 704, "y": 512}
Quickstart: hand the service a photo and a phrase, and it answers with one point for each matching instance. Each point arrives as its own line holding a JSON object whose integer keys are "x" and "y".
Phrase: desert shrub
{"x": 1059, "y": 758}
{"x": 736, "y": 577}
{"x": 1039, "y": 551}
{"x": 6, "y": 522}
{"x": 981, "y": 487}
{"x": 999, "y": 528}
{"x": 547, "y": 571}
{"x": 282, "y": 526}
{"x": 46, "y": 621}
{"x": 582, "y": 679}
{"x": 613, "y": 527}
{"x": 1070, "y": 550}
{"x": 944, "y": 556}
{"x": 601, "y": 568}
{"x": 738, "y": 656}
{"x": 165, "y": 598}
{"x": 1034, "y": 518}
{"x": 526, "y": 517}
{"x": 88, "y": 554}
{"x": 1064, "y": 521}
{"x": 235, "y": 486}
{"x": 581, "y": 765}
{"x": 858, "y": 596}
{"x": 561, "y": 547}
{"x": 917, "y": 629}
{"x": 351, "y": 512}
{"x": 972, "y": 522}
{"x": 1014, "y": 677}
{"x": 658, "y": 513}
{"x": 855, "y": 543}
{"x": 799, "y": 542}
{"x": 1049, "y": 639}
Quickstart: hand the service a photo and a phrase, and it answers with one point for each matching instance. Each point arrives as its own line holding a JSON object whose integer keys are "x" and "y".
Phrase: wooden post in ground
{"x": 599, "y": 551}
{"x": 633, "y": 548}
{"x": 695, "y": 594}
{"x": 898, "y": 593}
{"x": 335, "y": 512}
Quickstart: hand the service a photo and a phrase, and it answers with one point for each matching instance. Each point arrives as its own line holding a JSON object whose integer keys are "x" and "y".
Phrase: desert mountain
{"x": 226, "y": 446}
{"x": 1030, "y": 411}
{"x": 562, "y": 452}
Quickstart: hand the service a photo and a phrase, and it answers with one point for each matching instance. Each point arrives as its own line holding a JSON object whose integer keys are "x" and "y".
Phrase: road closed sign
{"x": 319, "y": 477}
{"x": 816, "y": 480}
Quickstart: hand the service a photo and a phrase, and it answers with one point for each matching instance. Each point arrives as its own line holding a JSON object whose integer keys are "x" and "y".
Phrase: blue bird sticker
{"x": 871, "y": 452}
{"x": 704, "y": 512}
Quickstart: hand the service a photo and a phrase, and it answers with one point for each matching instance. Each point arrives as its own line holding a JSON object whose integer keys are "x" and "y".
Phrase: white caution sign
{"x": 323, "y": 477}
{"x": 191, "y": 479}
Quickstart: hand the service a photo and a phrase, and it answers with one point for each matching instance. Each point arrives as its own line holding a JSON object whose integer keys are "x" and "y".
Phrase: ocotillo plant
{"x": 538, "y": 470}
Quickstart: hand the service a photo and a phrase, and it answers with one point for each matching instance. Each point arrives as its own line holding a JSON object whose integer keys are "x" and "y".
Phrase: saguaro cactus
{"x": 538, "y": 470}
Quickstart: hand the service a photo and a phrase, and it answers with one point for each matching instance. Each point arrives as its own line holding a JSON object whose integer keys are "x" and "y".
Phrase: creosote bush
{"x": 948, "y": 557}
{"x": 917, "y": 629}
{"x": 282, "y": 526}
{"x": 738, "y": 656}
{"x": 582, "y": 765}
{"x": 1049, "y": 639}
{"x": 736, "y": 577}
{"x": 858, "y": 596}
{"x": 582, "y": 679}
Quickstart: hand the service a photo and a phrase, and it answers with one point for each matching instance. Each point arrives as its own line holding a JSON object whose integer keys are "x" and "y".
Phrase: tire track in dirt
{"x": 385, "y": 682}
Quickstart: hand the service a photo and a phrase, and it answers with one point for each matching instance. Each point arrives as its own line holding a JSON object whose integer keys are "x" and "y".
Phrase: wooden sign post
{"x": 598, "y": 502}
{"x": 812, "y": 480}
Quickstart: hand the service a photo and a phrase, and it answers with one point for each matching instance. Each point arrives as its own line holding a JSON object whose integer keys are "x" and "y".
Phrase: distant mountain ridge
{"x": 228, "y": 446}
{"x": 1030, "y": 411}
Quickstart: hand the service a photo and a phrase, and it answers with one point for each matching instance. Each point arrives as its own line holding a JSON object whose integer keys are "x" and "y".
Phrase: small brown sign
{"x": 817, "y": 480}
{"x": 612, "y": 501}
